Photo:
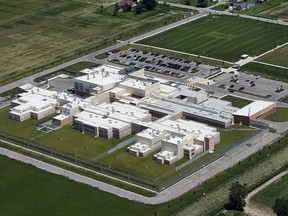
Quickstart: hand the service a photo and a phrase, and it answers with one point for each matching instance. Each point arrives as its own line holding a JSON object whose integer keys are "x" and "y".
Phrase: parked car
{"x": 241, "y": 88}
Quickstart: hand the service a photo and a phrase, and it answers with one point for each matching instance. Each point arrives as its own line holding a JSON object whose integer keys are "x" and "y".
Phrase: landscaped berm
{"x": 221, "y": 37}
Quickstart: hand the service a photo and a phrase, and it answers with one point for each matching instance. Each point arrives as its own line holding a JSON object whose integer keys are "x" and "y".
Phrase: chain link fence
{"x": 159, "y": 183}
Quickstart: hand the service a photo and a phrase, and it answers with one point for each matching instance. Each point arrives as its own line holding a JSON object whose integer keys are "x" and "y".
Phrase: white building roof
{"x": 98, "y": 120}
{"x": 253, "y": 108}
{"x": 150, "y": 133}
{"x": 135, "y": 83}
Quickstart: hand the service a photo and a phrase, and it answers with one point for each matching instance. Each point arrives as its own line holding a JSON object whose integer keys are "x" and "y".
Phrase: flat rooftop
{"x": 98, "y": 120}
{"x": 253, "y": 108}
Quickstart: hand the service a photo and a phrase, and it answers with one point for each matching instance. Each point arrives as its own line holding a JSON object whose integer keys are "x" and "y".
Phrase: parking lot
{"x": 160, "y": 63}
{"x": 251, "y": 84}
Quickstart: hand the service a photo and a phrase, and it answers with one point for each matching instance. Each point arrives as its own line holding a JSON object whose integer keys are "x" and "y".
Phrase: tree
{"x": 116, "y": 10}
{"x": 187, "y": 2}
{"x": 101, "y": 8}
{"x": 202, "y": 3}
{"x": 149, "y": 4}
{"x": 281, "y": 207}
{"x": 139, "y": 8}
{"x": 237, "y": 194}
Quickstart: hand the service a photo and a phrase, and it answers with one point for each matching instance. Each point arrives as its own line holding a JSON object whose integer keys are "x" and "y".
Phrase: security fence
{"x": 156, "y": 184}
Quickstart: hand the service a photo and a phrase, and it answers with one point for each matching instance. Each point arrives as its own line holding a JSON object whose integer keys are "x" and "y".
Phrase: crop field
{"x": 268, "y": 195}
{"x": 275, "y": 9}
{"x": 221, "y": 37}
{"x": 271, "y": 9}
{"x": 277, "y": 57}
{"x": 36, "y": 33}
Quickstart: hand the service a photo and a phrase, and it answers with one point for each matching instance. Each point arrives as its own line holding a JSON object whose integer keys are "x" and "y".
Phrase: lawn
{"x": 277, "y": 57}
{"x": 237, "y": 102}
{"x": 221, "y": 37}
{"x": 73, "y": 142}
{"x": 281, "y": 115}
{"x": 26, "y": 129}
{"x": 36, "y": 35}
{"x": 269, "y": 194}
{"x": 62, "y": 197}
{"x": 33, "y": 192}
{"x": 146, "y": 167}
{"x": 267, "y": 71}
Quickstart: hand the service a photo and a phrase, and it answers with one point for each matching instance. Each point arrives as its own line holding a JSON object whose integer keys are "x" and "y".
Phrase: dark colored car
{"x": 241, "y": 88}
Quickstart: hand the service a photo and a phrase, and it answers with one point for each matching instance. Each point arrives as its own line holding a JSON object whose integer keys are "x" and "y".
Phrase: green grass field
{"x": 281, "y": 115}
{"x": 221, "y": 37}
{"x": 71, "y": 141}
{"x": 277, "y": 57}
{"x": 269, "y": 194}
{"x": 236, "y": 102}
{"x": 36, "y": 33}
{"x": 33, "y": 192}
{"x": 30, "y": 191}
{"x": 267, "y": 71}
{"x": 147, "y": 168}
{"x": 26, "y": 129}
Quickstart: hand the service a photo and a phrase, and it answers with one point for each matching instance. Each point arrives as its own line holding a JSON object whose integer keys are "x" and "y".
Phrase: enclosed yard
{"x": 147, "y": 168}
{"x": 221, "y": 37}
{"x": 73, "y": 142}
{"x": 237, "y": 102}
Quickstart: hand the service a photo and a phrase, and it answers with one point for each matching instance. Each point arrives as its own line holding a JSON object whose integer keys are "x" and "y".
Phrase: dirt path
{"x": 254, "y": 209}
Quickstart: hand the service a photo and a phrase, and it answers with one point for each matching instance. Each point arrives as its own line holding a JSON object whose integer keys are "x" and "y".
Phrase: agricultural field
{"x": 236, "y": 102}
{"x": 276, "y": 9}
{"x": 35, "y": 34}
{"x": 269, "y": 194}
{"x": 278, "y": 12}
{"x": 267, "y": 71}
{"x": 221, "y": 37}
{"x": 277, "y": 57}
